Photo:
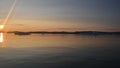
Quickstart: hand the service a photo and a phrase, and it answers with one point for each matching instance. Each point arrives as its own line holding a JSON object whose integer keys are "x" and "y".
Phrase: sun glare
{"x": 1, "y": 26}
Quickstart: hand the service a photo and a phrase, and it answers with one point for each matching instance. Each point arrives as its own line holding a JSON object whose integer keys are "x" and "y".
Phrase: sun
{"x": 1, "y": 26}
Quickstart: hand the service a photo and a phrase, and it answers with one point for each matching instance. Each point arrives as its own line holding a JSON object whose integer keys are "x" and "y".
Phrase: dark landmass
{"x": 77, "y": 32}
{"x": 22, "y": 33}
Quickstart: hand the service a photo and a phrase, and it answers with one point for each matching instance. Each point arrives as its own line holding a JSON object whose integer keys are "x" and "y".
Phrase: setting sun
{"x": 1, "y": 26}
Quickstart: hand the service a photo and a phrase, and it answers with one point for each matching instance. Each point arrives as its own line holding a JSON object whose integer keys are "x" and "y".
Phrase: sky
{"x": 62, "y": 15}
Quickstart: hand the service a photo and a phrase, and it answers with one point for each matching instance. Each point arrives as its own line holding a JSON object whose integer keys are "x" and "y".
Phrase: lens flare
{"x": 6, "y": 20}
{"x": 9, "y": 13}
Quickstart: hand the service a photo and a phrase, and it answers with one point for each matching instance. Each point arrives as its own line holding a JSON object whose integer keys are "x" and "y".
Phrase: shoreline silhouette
{"x": 65, "y": 32}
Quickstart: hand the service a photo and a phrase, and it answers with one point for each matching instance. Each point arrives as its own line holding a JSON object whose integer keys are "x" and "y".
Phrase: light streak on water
{"x": 1, "y": 37}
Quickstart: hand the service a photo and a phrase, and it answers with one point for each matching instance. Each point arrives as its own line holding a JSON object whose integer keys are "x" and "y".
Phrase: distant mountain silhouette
{"x": 63, "y": 32}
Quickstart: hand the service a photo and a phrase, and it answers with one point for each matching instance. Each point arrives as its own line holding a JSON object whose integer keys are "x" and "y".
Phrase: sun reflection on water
{"x": 1, "y": 37}
{"x": 2, "y": 40}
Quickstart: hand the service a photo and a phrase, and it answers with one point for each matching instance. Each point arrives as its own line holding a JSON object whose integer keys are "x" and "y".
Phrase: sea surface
{"x": 60, "y": 51}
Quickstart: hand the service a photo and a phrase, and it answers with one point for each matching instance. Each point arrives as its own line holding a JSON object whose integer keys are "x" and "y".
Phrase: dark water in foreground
{"x": 60, "y": 51}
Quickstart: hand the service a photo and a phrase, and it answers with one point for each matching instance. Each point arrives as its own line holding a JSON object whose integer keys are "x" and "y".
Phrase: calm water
{"x": 60, "y": 51}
